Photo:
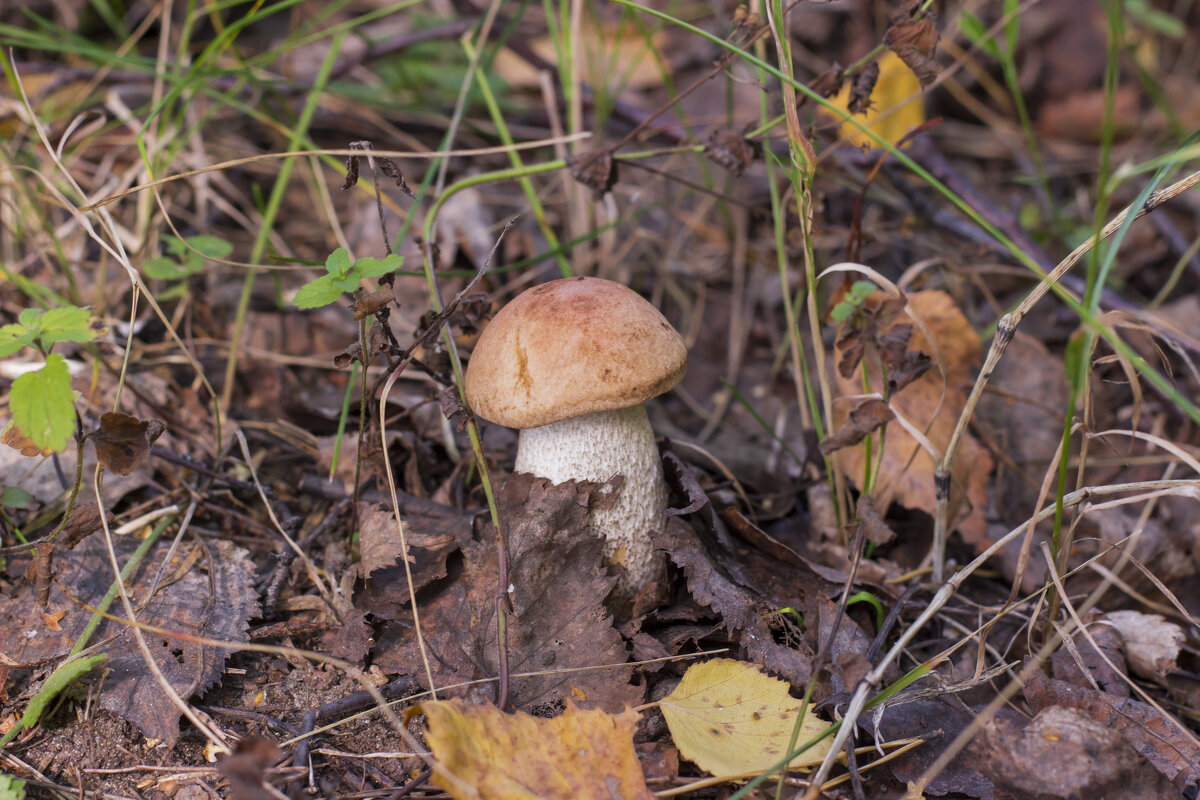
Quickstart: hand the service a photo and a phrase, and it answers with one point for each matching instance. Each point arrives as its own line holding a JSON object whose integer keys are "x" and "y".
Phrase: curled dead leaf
{"x": 596, "y": 170}
{"x": 15, "y": 438}
{"x": 731, "y": 151}
{"x": 915, "y": 42}
{"x": 861, "y": 88}
{"x": 123, "y": 441}
{"x": 866, "y": 417}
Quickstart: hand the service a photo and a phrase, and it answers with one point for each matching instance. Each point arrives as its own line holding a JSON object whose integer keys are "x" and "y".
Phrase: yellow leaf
{"x": 485, "y": 754}
{"x": 731, "y": 719}
{"x": 896, "y": 104}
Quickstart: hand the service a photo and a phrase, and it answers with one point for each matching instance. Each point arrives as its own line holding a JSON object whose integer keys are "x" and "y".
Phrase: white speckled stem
{"x": 595, "y": 447}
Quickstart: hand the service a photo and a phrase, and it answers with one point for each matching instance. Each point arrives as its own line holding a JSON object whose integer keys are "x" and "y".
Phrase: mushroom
{"x": 570, "y": 363}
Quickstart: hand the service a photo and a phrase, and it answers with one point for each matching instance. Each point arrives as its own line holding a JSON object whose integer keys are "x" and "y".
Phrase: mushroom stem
{"x": 595, "y": 447}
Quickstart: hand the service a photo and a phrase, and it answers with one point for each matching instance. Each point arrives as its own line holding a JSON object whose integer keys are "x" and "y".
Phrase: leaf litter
{"x": 758, "y": 557}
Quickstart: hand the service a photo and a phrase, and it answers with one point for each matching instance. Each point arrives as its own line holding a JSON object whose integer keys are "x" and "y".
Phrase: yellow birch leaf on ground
{"x": 906, "y": 474}
{"x": 485, "y": 754}
{"x": 731, "y": 719}
{"x": 896, "y": 104}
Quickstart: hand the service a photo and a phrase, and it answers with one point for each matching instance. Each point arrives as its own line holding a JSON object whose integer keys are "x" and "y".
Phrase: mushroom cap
{"x": 569, "y": 347}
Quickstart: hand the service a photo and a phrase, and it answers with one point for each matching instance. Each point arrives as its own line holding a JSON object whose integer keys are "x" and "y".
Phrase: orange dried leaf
{"x": 17, "y": 440}
{"x": 906, "y": 475}
{"x": 485, "y": 754}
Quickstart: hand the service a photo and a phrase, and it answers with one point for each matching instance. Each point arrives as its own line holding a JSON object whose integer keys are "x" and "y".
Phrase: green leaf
{"x": 13, "y": 338}
{"x": 205, "y": 247}
{"x": 69, "y": 324}
{"x": 851, "y": 301}
{"x": 375, "y": 267}
{"x": 842, "y": 311}
{"x": 976, "y": 31}
{"x": 11, "y": 788}
{"x": 31, "y": 318}
{"x": 871, "y": 600}
{"x": 338, "y": 263}
{"x": 1012, "y": 26}
{"x": 67, "y": 673}
{"x": 861, "y": 290}
{"x": 164, "y": 268}
{"x": 13, "y": 497}
{"x": 210, "y": 246}
{"x": 315, "y": 294}
{"x": 41, "y": 404}
{"x": 1157, "y": 21}
{"x": 346, "y": 284}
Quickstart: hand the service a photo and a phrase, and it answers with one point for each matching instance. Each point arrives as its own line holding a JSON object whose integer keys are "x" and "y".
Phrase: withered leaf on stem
{"x": 388, "y": 167}
{"x": 596, "y": 170}
{"x": 452, "y": 407}
{"x": 351, "y": 172}
{"x": 123, "y": 441}
{"x": 915, "y": 42}
{"x": 903, "y": 366}
{"x": 828, "y": 83}
{"x": 348, "y": 356}
{"x": 861, "y": 88}
{"x": 877, "y": 531}
{"x": 368, "y": 305}
{"x": 15, "y": 438}
{"x": 731, "y": 151}
{"x": 864, "y": 418}
{"x": 873, "y": 326}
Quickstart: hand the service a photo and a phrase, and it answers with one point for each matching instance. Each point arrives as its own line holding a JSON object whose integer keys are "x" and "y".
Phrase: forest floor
{"x": 933, "y": 524}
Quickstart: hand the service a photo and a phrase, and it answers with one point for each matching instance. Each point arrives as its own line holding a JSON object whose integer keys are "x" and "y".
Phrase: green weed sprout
{"x": 849, "y": 304}
{"x": 187, "y": 257}
{"x": 42, "y": 401}
{"x": 344, "y": 275}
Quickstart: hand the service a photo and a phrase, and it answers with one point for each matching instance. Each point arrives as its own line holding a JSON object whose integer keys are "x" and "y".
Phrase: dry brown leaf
{"x": 558, "y": 623}
{"x": 485, "y": 754}
{"x": 915, "y": 42}
{"x": 933, "y": 406}
{"x": 17, "y": 440}
{"x": 1152, "y": 733}
{"x": 123, "y": 441}
{"x": 1152, "y": 644}
{"x": 865, "y": 418}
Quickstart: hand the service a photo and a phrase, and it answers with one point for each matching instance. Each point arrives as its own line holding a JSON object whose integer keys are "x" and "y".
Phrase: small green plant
{"x": 66, "y": 674}
{"x": 187, "y": 257}
{"x": 11, "y": 788}
{"x": 42, "y": 401}
{"x": 344, "y": 276}
{"x": 852, "y": 300}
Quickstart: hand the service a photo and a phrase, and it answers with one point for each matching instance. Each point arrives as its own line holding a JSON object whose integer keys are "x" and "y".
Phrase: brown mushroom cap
{"x": 570, "y": 347}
